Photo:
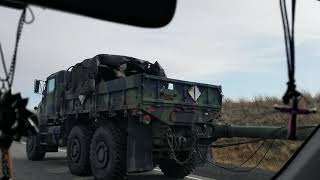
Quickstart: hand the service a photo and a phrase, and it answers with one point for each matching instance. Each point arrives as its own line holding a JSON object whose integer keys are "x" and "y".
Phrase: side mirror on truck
{"x": 37, "y": 89}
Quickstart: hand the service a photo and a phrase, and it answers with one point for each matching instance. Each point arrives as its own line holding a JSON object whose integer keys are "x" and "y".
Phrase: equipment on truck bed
{"x": 104, "y": 67}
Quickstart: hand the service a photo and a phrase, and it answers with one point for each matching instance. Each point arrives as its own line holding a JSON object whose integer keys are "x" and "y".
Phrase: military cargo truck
{"x": 118, "y": 115}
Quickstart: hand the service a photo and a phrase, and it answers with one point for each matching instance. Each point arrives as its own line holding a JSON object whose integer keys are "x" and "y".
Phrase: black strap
{"x": 291, "y": 92}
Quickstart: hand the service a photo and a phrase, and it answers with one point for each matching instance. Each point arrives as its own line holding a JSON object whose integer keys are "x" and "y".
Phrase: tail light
{"x": 146, "y": 119}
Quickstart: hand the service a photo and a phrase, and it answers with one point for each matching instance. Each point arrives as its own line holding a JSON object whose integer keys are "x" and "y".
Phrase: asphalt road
{"x": 54, "y": 167}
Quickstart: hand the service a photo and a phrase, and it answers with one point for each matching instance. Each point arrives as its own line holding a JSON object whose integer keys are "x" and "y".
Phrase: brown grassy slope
{"x": 259, "y": 111}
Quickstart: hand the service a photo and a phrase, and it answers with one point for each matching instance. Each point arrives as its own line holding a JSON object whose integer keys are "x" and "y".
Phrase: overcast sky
{"x": 233, "y": 43}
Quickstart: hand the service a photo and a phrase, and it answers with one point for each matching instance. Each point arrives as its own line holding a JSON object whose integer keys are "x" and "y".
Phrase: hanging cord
{"x": 234, "y": 169}
{"x": 3, "y": 64}
{"x": 3, "y": 81}
{"x": 291, "y": 92}
{"x": 6, "y": 161}
{"x": 234, "y": 144}
{"x": 22, "y": 20}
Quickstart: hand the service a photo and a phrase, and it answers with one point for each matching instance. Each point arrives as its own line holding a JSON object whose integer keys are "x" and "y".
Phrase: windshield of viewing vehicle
{"x": 238, "y": 45}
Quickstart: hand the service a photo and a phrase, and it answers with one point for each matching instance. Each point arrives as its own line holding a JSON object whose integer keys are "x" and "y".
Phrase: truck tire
{"x": 172, "y": 169}
{"x": 35, "y": 152}
{"x": 108, "y": 153}
{"x": 78, "y": 150}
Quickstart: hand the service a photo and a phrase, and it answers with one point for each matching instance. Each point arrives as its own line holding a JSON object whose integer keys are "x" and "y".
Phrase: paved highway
{"x": 54, "y": 167}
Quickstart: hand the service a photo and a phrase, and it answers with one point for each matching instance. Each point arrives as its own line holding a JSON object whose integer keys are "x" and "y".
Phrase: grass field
{"x": 259, "y": 111}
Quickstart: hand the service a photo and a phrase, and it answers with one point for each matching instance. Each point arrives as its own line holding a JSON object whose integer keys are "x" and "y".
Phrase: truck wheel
{"x": 35, "y": 152}
{"x": 78, "y": 150}
{"x": 172, "y": 169}
{"x": 108, "y": 153}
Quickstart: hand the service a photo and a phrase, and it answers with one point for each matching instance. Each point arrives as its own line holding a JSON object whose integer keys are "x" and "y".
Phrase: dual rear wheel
{"x": 78, "y": 147}
{"x": 108, "y": 153}
{"x": 101, "y": 153}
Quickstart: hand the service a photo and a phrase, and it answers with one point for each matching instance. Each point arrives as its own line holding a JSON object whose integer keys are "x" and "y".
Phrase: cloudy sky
{"x": 236, "y": 44}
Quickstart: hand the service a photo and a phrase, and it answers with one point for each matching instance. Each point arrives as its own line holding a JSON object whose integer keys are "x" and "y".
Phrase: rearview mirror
{"x": 36, "y": 86}
{"x": 143, "y": 13}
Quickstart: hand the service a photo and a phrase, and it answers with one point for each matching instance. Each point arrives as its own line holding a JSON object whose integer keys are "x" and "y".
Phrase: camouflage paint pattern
{"x": 154, "y": 107}
{"x": 135, "y": 95}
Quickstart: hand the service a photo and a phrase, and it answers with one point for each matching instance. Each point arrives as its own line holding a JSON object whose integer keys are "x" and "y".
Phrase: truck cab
{"x": 50, "y": 108}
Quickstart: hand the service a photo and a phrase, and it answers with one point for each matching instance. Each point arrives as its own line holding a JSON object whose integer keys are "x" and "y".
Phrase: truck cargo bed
{"x": 145, "y": 91}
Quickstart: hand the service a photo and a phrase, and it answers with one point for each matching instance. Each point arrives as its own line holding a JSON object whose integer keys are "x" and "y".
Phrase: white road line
{"x": 157, "y": 169}
{"x": 62, "y": 150}
{"x": 189, "y": 177}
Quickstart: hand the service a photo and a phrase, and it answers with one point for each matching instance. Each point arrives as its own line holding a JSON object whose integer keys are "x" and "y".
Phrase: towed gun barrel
{"x": 262, "y": 132}
{"x": 292, "y": 132}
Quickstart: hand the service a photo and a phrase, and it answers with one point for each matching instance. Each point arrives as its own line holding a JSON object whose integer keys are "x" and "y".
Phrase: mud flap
{"x": 139, "y": 146}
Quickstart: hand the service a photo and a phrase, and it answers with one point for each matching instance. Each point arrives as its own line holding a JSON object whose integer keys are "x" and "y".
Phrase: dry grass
{"x": 259, "y": 111}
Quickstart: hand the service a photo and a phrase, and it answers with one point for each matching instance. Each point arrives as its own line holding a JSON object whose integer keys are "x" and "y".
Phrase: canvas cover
{"x": 104, "y": 67}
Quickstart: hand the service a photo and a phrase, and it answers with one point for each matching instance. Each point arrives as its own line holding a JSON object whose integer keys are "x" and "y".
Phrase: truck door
{"x": 50, "y": 99}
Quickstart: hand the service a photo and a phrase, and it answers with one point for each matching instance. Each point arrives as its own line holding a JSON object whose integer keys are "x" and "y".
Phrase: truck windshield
{"x": 50, "y": 86}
